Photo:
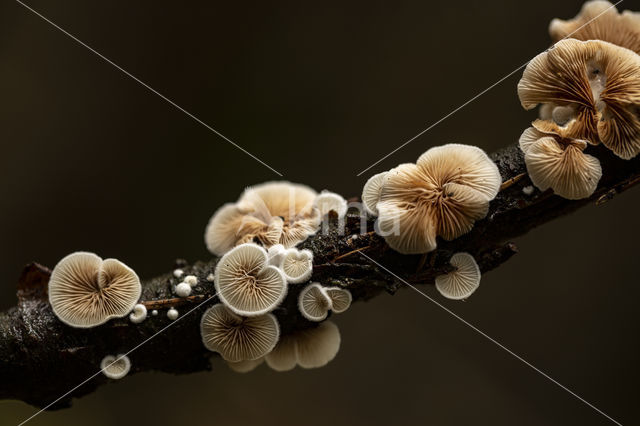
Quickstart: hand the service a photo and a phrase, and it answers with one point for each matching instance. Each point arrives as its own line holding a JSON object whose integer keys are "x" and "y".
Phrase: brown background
{"x": 91, "y": 160}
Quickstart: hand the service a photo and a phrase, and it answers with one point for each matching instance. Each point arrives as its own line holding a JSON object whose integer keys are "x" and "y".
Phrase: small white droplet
{"x": 183, "y": 289}
{"x": 178, "y": 273}
{"x": 154, "y": 312}
{"x": 172, "y": 314}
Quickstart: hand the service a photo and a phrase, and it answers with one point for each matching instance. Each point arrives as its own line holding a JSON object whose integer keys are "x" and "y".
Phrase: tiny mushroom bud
{"x": 443, "y": 194}
{"x": 191, "y": 280}
{"x": 154, "y": 312}
{"x": 330, "y": 201}
{"x": 238, "y": 338}
{"x": 371, "y": 193}
{"x": 139, "y": 313}
{"x": 463, "y": 281}
{"x": 297, "y": 265}
{"x": 178, "y": 273}
{"x": 245, "y": 366}
{"x": 86, "y": 291}
{"x": 340, "y": 299}
{"x": 172, "y": 314}
{"x": 314, "y": 303}
{"x": 115, "y": 367}
{"x": 246, "y": 283}
{"x": 183, "y": 289}
{"x": 210, "y": 278}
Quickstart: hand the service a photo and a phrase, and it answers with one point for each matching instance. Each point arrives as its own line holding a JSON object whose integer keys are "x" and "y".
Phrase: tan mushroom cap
{"x": 328, "y": 201}
{"x": 443, "y": 194}
{"x": 600, "y": 20}
{"x": 314, "y": 303}
{"x": 297, "y": 265}
{"x": 560, "y": 164}
{"x": 371, "y": 193}
{"x": 85, "y": 291}
{"x": 245, "y": 366}
{"x": 599, "y": 82}
{"x": 462, "y": 282}
{"x": 115, "y": 367}
{"x": 238, "y": 338}
{"x": 340, "y": 299}
{"x": 310, "y": 348}
{"x": 246, "y": 283}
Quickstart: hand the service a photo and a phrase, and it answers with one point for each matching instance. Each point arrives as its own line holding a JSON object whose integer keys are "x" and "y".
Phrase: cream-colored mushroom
{"x": 328, "y": 201}
{"x": 371, "y": 193}
{"x": 85, "y": 291}
{"x": 238, "y": 338}
{"x": 276, "y": 254}
{"x": 115, "y": 367}
{"x": 340, "y": 299}
{"x": 560, "y": 164}
{"x": 463, "y": 281}
{"x": 297, "y": 265}
{"x": 600, "y": 20}
{"x": 597, "y": 85}
{"x": 270, "y": 213}
{"x": 443, "y": 194}
{"x": 314, "y": 302}
{"x": 139, "y": 314}
{"x": 246, "y": 283}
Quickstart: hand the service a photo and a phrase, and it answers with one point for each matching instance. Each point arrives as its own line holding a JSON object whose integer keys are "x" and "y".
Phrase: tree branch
{"x": 42, "y": 358}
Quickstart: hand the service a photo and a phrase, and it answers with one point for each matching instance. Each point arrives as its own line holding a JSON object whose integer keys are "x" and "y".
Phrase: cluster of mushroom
{"x": 588, "y": 87}
{"x": 256, "y": 237}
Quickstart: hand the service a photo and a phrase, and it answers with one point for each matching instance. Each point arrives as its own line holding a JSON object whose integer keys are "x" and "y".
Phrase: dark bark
{"x": 43, "y": 359}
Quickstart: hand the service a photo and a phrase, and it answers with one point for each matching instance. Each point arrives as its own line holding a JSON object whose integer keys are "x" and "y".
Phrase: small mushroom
{"x": 276, "y": 254}
{"x": 191, "y": 280}
{"x": 314, "y": 303}
{"x": 139, "y": 313}
{"x": 178, "y": 273}
{"x": 238, "y": 338}
{"x": 297, "y": 265}
{"x": 463, "y": 281}
{"x": 172, "y": 314}
{"x": 443, "y": 194}
{"x": 246, "y": 283}
{"x": 154, "y": 312}
{"x": 183, "y": 289}
{"x": 560, "y": 164}
{"x": 86, "y": 291}
{"x": 245, "y": 366}
{"x": 597, "y": 85}
{"x": 599, "y": 20}
{"x": 371, "y": 193}
{"x": 340, "y": 299}
{"x": 328, "y": 201}
{"x": 115, "y": 367}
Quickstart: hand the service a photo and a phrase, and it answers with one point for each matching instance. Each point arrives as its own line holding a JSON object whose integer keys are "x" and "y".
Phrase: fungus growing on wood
{"x": 600, "y": 20}
{"x": 115, "y": 367}
{"x": 86, "y": 291}
{"x": 443, "y": 194}
{"x": 139, "y": 313}
{"x": 270, "y": 213}
{"x": 463, "y": 281}
{"x": 371, "y": 193}
{"x": 246, "y": 283}
{"x": 597, "y": 85}
{"x": 560, "y": 164}
{"x": 183, "y": 289}
{"x": 328, "y": 201}
{"x": 340, "y": 299}
{"x": 297, "y": 265}
{"x": 238, "y": 338}
{"x": 314, "y": 302}
{"x": 191, "y": 280}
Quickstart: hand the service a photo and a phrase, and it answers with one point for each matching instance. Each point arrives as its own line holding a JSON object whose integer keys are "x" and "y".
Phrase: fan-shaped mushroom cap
{"x": 310, "y": 348}
{"x": 599, "y": 82}
{"x": 560, "y": 164}
{"x": 139, "y": 313}
{"x": 271, "y": 213}
{"x": 314, "y": 302}
{"x": 238, "y": 338}
{"x": 115, "y": 367}
{"x": 340, "y": 299}
{"x": 246, "y": 283}
{"x": 284, "y": 356}
{"x": 442, "y": 195}
{"x": 85, "y": 291}
{"x": 371, "y": 193}
{"x": 245, "y": 366}
{"x": 297, "y": 265}
{"x": 599, "y": 20}
{"x": 330, "y": 201}
{"x": 462, "y": 282}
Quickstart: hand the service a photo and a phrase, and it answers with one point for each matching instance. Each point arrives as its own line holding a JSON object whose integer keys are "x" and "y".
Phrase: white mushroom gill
{"x": 297, "y": 265}
{"x": 340, "y": 299}
{"x": 115, "y": 367}
{"x": 371, "y": 193}
{"x": 328, "y": 201}
{"x": 463, "y": 281}
{"x": 314, "y": 302}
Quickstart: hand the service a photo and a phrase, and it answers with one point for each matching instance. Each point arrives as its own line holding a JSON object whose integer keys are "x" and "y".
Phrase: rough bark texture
{"x": 42, "y": 359}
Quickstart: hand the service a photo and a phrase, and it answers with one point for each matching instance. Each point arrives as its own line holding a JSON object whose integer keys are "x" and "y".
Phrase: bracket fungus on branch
{"x": 463, "y": 281}
{"x": 297, "y": 265}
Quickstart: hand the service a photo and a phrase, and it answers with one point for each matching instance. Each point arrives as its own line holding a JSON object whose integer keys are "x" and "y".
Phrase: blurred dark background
{"x": 91, "y": 160}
